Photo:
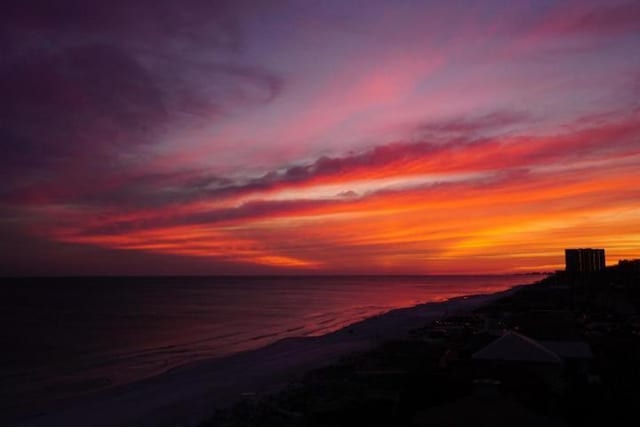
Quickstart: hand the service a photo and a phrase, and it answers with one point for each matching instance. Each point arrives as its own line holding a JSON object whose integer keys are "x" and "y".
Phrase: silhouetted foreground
{"x": 549, "y": 354}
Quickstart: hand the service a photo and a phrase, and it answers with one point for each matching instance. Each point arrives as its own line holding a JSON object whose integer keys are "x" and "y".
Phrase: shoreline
{"x": 186, "y": 395}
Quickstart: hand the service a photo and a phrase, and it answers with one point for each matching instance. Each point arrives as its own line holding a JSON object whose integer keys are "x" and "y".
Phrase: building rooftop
{"x": 515, "y": 347}
{"x": 569, "y": 349}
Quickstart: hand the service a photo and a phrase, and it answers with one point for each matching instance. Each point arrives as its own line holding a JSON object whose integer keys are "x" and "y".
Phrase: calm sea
{"x": 63, "y": 337}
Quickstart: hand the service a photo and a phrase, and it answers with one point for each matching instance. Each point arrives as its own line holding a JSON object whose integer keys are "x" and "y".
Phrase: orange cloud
{"x": 509, "y": 204}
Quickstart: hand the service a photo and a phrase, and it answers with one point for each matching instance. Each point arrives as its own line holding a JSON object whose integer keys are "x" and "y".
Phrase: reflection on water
{"x": 74, "y": 335}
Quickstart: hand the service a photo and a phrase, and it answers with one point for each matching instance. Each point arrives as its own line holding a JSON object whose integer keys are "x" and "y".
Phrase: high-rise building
{"x": 584, "y": 260}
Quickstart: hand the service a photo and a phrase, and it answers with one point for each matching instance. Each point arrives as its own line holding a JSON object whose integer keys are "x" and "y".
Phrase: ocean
{"x": 68, "y": 336}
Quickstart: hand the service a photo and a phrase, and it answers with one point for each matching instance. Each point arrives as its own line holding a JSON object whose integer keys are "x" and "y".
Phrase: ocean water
{"x": 65, "y": 337}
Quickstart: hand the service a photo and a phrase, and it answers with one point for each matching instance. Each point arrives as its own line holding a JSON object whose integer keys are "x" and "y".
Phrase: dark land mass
{"x": 564, "y": 351}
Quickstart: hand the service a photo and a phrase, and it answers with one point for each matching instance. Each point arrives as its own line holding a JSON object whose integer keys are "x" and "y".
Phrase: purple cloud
{"x": 89, "y": 88}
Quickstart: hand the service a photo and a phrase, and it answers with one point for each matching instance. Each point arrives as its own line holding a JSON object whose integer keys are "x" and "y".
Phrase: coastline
{"x": 188, "y": 394}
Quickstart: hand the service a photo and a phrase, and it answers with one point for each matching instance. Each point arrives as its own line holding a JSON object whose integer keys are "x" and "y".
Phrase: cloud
{"x": 161, "y": 126}
{"x": 141, "y": 23}
{"x": 472, "y": 127}
{"x": 611, "y": 19}
{"x": 348, "y": 194}
{"x": 83, "y": 101}
{"x": 90, "y": 90}
{"x": 163, "y": 201}
{"x": 401, "y": 159}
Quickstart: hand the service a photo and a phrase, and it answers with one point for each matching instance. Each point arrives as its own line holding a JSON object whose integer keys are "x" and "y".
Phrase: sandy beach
{"x": 186, "y": 395}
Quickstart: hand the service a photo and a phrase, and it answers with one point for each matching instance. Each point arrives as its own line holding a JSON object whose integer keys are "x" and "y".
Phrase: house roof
{"x": 569, "y": 349}
{"x": 515, "y": 347}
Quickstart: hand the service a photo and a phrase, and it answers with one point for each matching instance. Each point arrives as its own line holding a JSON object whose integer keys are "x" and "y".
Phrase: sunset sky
{"x": 306, "y": 137}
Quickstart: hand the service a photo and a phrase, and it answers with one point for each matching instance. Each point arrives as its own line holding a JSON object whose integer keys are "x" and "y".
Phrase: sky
{"x": 317, "y": 137}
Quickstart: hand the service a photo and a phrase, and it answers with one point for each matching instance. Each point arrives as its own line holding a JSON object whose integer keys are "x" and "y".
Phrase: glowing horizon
{"x": 403, "y": 138}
